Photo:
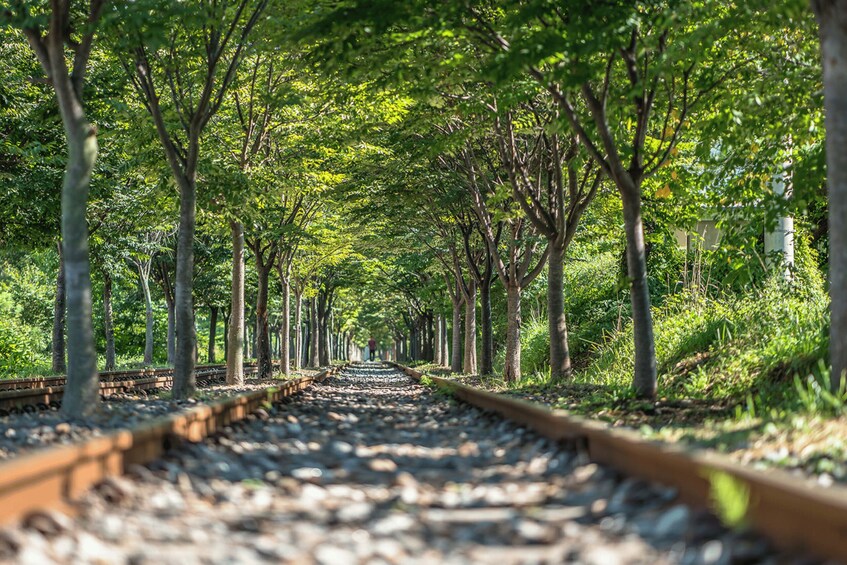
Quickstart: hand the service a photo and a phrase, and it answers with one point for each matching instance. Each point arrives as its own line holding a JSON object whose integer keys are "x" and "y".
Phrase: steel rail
{"x": 56, "y": 476}
{"x": 32, "y": 394}
{"x": 794, "y": 513}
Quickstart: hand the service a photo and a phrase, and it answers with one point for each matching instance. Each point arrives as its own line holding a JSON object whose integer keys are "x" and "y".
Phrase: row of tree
{"x": 404, "y": 157}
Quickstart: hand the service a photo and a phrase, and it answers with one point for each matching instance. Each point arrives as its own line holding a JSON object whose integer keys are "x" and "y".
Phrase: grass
{"x": 743, "y": 373}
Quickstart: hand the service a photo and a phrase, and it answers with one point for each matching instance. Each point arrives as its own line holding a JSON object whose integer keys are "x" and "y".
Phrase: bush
{"x": 727, "y": 347}
{"x": 20, "y": 343}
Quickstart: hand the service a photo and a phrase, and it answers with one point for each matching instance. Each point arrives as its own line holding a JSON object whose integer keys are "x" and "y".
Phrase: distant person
{"x": 372, "y": 347}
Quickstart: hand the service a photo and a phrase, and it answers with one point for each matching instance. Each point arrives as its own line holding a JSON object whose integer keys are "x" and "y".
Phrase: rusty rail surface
{"x": 56, "y": 476}
{"x": 794, "y": 513}
{"x": 21, "y": 395}
{"x": 107, "y": 376}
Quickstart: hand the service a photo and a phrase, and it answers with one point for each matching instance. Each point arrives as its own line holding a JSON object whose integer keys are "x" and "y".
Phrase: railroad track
{"x": 371, "y": 467}
{"x": 42, "y": 393}
{"x": 454, "y": 467}
{"x": 54, "y": 477}
{"x": 794, "y": 513}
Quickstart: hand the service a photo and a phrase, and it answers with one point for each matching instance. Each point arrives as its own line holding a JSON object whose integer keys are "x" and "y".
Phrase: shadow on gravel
{"x": 371, "y": 468}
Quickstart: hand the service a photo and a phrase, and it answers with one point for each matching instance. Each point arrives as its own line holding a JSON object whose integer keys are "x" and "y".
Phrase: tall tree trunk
{"x": 285, "y": 328}
{"x": 445, "y": 343}
{"x": 186, "y": 338}
{"x": 171, "y": 330}
{"x": 235, "y": 342}
{"x": 512, "y": 364}
{"x": 349, "y": 346}
{"x": 108, "y": 325}
{"x": 438, "y": 355}
{"x": 426, "y": 342}
{"x": 326, "y": 340}
{"x": 486, "y": 366}
{"x": 58, "y": 343}
{"x": 148, "y": 319}
{"x": 469, "y": 366}
{"x": 298, "y": 331}
{"x": 456, "y": 329}
{"x": 644, "y": 381}
{"x": 213, "y": 332}
{"x": 832, "y": 21}
{"x": 227, "y": 317}
{"x": 263, "y": 343}
{"x": 314, "y": 333}
{"x": 82, "y": 392}
{"x": 560, "y": 359}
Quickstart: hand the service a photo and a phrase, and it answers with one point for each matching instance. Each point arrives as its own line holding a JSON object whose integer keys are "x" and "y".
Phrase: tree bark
{"x": 227, "y": 317}
{"x": 171, "y": 329}
{"x": 235, "y": 341}
{"x": 314, "y": 358}
{"x": 644, "y": 381}
{"x": 263, "y": 343}
{"x": 213, "y": 331}
{"x": 148, "y": 319}
{"x": 298, "y": 331}
{"x": 832, "y": 21}
{"x": 82, "y": 393}
{"x": 560, "y": 359}
{"x": 512, "y": 364}
{"x": 486, "y": 366}
{"x": 285, "y": 330}
{"x": 438, "y": 355}
{"x": 456, "y": 347}
{"x": 58, "y": 342}
{"x": 469, "y": 367}
{"x": 108, "y": 324}
{"x": 186, "y": 338}
{"x": 445, "y": 343}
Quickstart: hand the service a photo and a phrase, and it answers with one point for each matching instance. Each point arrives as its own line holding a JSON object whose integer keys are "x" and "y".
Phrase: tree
{"x": 49, "y": 37}
{"x": 208, "y": 45}
{"x": 553, "y": 190}
{"x": 832, "y": 19}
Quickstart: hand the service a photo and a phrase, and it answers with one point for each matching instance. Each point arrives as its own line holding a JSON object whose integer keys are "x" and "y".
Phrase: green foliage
{"x": 815, "y": 392}
{"x": 730, "y": 498}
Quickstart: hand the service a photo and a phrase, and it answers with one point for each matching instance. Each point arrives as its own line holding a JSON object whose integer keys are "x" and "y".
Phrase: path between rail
{"x": 368, "y": 467}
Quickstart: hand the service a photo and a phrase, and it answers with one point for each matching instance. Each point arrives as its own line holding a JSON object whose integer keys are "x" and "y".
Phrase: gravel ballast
{"x": 371, "y": 468}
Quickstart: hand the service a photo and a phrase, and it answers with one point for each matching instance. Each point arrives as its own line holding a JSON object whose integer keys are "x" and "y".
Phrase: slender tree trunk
{"x": 430, "y": 336}
{"x": 263, "y": 343}
{"x": 445, "y": 343}
{"x": 832, "y": 21}
{"x": 314, "y": 331}
{"x": 426, "y": 348}
{"x": 456, "y": 329}
{"x": 486, "y": 366}
{"x": 644, "y": 380}
{"x": 413, "y": 342}
{"x": 186, "y": 338}
{"x": 213, "y": 331}
{"x": 171, "y": 330}
{"x": 148, "y": 319}
{"x": 439, "y": 355}
{"x": 469, "y": 366}
{"x": 560, "y": 359}
{"x": 227, "y": 316}
{"x": 326, "y": 340}
{"x": 235, "y": 342}
{"x": 512, "y": 364}
{"x": 82, "y": 392}
{"x": 58, "y": 343}
{"x": 108, "y": 325}
{"x": 298, "y": 331}
{"x": 285, "y": 328}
